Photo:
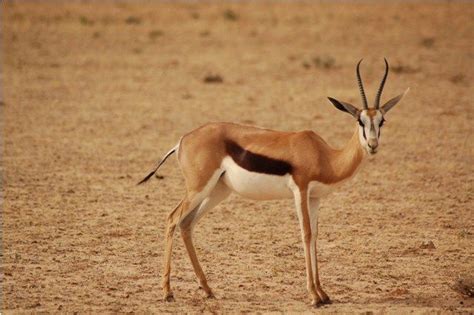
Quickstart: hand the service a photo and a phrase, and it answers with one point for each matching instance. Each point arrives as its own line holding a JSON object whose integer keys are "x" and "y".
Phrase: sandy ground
{"x": 95, "y": 93}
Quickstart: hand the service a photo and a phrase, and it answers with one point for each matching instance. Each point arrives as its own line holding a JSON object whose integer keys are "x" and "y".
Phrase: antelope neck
{"x": 346, "y": 161}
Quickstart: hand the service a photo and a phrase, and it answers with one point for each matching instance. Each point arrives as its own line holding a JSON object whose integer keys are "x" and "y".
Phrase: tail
{"x": 170, "y": 152}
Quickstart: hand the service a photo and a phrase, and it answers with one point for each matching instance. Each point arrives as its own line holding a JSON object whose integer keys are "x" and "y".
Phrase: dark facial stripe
{"x": 254, "y": 162}
{"x": 363, "y": 128}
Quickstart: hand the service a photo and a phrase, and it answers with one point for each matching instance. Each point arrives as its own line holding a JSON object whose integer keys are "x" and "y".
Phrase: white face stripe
{"x": 370, "y": 132}
{"x": 372, "y": 124}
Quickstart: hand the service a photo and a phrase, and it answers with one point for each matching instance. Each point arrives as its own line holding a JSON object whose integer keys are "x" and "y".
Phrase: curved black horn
{"x": 379, "y": 92}
{"x": 361, "y": 86}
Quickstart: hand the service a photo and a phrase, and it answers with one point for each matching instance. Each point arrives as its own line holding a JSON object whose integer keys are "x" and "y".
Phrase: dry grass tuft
{"x": 428, "y": 42}
{"x": 155, "y": 34}
{"x": 213, "y": 78}
{"x": 231, "y": 15}
{"x": 133, "y": 20}
{"x": 406, "y": 69}
{"x": 465, "y": 285}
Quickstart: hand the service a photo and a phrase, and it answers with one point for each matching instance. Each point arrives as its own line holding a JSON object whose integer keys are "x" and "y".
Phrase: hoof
{"x": 210, "y": 296}
{"x": 209, "y": 293}
{"x": 326, "y": 301}
{"x": 324, "y": 297}
{"x": 168, "y": 297}
{"x": 316, "y": 303}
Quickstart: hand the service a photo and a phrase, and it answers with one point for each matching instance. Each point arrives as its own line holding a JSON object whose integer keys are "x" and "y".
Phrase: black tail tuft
{"x": 159, "y": 164}
{"x": 147, "y": 178}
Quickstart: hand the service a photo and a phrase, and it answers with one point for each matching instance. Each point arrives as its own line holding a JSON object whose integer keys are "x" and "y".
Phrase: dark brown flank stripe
{"x": 254, "y": 162}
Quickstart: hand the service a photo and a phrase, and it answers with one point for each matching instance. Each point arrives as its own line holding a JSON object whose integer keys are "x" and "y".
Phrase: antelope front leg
{"x": 301, "y": 201}
{"x": 313, "y": 209}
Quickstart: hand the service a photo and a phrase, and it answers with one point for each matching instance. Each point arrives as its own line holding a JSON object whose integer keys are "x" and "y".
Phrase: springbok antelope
{"x": 262, "y": 164}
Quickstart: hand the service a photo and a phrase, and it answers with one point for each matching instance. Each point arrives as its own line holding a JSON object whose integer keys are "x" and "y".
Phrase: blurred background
{"x": 96, "y": 91}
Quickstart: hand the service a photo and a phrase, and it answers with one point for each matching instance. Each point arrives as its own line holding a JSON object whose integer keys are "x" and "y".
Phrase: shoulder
{"x": 306, "y": 136}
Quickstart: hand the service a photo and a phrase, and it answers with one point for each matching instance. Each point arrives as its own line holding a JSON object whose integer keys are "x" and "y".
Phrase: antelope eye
{"x": 361, "y": 123}
{"x": 382, "y": 122}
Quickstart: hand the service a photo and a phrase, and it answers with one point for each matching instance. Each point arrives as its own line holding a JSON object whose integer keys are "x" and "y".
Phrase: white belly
{"x": 255, "y": 185}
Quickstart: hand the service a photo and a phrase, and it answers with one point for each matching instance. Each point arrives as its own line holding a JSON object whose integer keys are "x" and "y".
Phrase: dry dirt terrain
{"x": 96, "y": 92}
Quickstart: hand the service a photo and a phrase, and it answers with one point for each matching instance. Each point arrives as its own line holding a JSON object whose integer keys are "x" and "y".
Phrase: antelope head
{"x": 370, "y": 120}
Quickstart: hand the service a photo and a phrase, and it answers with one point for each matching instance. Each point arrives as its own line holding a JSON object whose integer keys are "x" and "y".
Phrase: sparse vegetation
{"x": 427, "y": 42}
{"x": 458, "y": 78}
{"x": 427, "y": 245}
{"x": 464, "y": 285}
{"x": 204, "y": 33}
{"x": 231, "y": 15}
{"x": 320, "y": 62}
{"x": 465, "y": 233}
{"x": 84, "y": 20}
{"x": 91, "y": 105}
{"x": 324, "y": 62}
{"x": 133, "y": 20}
{"x": 213, "y": 78}
{"x": 155, "y": 34}
{"x": 404, "y": 69}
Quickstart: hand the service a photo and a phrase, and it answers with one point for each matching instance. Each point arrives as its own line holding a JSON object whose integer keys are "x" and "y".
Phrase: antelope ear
{"x": 345, "y": 107}
{"x": 394, "y": 101}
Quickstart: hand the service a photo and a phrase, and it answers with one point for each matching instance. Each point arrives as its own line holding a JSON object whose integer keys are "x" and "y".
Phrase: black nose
{"x": 372, "y": 144}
